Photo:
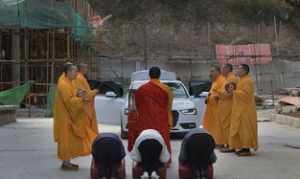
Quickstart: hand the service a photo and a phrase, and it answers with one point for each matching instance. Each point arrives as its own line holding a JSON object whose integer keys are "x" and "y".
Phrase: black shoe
{"x": 244, "y": 153}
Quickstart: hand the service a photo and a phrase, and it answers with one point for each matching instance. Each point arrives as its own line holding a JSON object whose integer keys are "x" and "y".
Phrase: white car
{"x": 187, "y": 110}
{"x": 186, "y": 115}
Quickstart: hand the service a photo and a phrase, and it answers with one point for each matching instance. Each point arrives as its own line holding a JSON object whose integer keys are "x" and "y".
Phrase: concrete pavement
{"x": 27, "y": 151}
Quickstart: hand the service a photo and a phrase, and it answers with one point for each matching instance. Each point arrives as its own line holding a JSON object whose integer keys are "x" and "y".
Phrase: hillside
{"x": 192, "y": 27}
{"x": 180, "y": 35}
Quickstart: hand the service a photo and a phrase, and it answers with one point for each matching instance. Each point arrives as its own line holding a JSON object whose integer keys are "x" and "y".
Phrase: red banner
{"x": 244, "y": 54}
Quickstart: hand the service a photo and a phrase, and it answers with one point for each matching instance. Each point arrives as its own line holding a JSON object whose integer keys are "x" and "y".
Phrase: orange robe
{"x": 225, "y": 106}
{"x": 89, "y": 109}
{"x": 154, "y": 104}
{"x": 211, "y": 122}
{"x": 71, "y": 134}
{"x": 243, "y": 129}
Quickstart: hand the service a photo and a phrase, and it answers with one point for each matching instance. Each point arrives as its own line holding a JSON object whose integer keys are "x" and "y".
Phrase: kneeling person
{"x": 151, "y": 154}
{"x": 197, "y": 155}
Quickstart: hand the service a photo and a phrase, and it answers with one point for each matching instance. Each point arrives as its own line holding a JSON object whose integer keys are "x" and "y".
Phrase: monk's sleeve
{"x": 170, "y": 105}
{"x": 217, "y": 90}
{"x": 72, "y": 103}
{"x": 90, "y": 93}
{"x": 82, "y": 83}
{"x": 241, "y": 100}
{"x": 223, "y": 93}
{"x": 244, "y": 92}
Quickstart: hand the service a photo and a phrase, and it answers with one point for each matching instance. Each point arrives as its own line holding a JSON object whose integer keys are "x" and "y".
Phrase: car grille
{"x": 188, "y": 125}
{"x": 175, "y": 118}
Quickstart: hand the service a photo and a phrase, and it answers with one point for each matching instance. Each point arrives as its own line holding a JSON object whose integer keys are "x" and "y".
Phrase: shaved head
{"x": 243, "y": 70}
{"x": 215, "y": 72}
{"x": 154, "y": 72}
{"x": 83, "y": 68}
{"x": 227, "y": 68}
{"x": 216, "y": 68}
{"x": 70, "y": 70}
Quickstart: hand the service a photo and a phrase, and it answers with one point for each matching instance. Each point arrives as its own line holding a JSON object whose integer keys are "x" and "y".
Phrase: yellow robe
{"x": 70, "y": 131}
{"x": 211, "y": 121}
{"x": 225, "y": 106}
{"x": 55, "y": 126}
{"x": 243, "y": 128}
{"x": 89, "y": 109}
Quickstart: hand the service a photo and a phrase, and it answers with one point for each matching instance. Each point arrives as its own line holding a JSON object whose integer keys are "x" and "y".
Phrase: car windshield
{"x": 177, "y": 89}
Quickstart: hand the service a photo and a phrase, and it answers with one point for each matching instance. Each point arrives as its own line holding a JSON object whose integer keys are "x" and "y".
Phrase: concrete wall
{"x": 285, "y": 73}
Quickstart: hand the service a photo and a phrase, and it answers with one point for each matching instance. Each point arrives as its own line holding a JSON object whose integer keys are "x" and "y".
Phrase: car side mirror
{"x": 110, "y": 94}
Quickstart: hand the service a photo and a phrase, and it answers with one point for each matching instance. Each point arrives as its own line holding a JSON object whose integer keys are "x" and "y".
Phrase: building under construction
{"x": 37, "y": 37}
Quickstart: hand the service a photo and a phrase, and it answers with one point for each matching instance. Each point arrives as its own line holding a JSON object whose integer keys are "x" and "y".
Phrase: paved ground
{"x": 27, "y": 152}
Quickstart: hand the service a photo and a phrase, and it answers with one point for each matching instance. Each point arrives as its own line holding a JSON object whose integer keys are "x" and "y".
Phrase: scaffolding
{"x": 37, "y": 37}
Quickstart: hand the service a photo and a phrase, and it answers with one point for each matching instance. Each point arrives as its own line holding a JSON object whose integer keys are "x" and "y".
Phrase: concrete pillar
{"x": 16, "y": 55}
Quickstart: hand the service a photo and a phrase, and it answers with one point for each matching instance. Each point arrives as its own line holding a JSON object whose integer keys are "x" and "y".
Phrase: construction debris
{"x": 289, "y": 104}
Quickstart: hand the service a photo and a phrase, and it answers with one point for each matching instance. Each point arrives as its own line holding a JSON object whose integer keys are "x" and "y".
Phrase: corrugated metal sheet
{"x": 290, "y": 100}
{"x": 239, "y": 54}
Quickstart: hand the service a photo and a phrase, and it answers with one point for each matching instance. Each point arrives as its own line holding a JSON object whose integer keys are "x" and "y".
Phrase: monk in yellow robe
{"x": 243, "y": 128}
{"x": 81, "y": 83}
{"x": 72, "y": 135}
{"x": 225, "y": 104}
{"x": 211, "y": 121}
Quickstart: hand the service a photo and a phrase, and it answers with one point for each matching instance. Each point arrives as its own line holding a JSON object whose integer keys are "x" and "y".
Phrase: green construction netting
{"x": 50, "y": 101}
{"x": 44, "y": 14}
{"x": 15, "y": 96}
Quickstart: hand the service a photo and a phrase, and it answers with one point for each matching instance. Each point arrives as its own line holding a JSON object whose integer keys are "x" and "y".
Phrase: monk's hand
{"x": 230, "y": 90}
{"x": 230, "y": 87}
{"x": 85, "y": 97}
{"x": 79, "y": 93}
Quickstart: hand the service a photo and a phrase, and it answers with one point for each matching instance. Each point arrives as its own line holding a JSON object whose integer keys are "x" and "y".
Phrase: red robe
{"x": 153, "y": 103}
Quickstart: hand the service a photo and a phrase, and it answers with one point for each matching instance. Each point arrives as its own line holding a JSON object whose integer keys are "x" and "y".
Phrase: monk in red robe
{"x": 153, "y": 103}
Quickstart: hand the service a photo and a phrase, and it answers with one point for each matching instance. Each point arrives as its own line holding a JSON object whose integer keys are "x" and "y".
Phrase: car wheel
{"x": 124, "y": 135}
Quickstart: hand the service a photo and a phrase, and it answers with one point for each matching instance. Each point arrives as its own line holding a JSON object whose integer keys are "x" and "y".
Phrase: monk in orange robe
{"x": 71, "y": 133}
{"x": 81, "y": 83}
{"x": 225, "y": 104}
{"x": 243, "y": 128}
{"x": 153, "y": 103}
{"x": 211, "y": 122}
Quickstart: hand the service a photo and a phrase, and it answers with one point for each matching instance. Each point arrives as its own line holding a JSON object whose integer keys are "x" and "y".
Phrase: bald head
{"x": 227, "y": 68}
{"x": 70, "y": 70}
{"x": 67, "y": 66}
{"x": 243, "y": 70}
{"x": 215, "y": 72}
{"x": 83, "y": 68}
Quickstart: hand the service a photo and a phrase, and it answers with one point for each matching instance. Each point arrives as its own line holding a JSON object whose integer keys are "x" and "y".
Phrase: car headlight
{"x": 189, "y": 111}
